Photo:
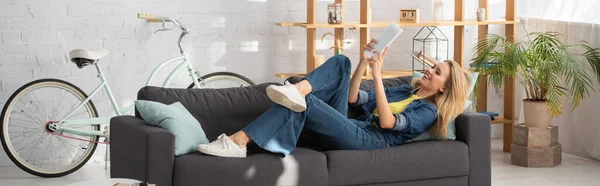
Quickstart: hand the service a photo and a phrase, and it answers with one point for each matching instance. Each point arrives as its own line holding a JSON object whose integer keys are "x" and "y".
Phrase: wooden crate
{"x": 535, "y": 137}
{"x": 536, "y": 156}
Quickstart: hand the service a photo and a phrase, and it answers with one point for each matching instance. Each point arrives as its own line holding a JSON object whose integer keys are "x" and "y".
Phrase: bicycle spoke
{"x": 25, "y": 105}
{"x": 75, "y": 104}
{"x": 62, "y": 141}
{"x": 78, "y": 154}
{"x": 52, "y": 154}
{"x": 36, "y": 131}
{"x": 37, "y": 108}
{"x": 76, "y": 147}
{"x": 27, "y": 121}
{"x": 77, "y": 114}
{"x": 70, "y": 110}
{"x": 44, "y": 109}
{"x": 24, "y": 113}
{"x": 39, "y": 140}
{"x": 26, "y": 131}
{"x": 61, "y": 100}
{"x": 46, "y": 151}
{"x": 14, "y": 144}
{"x": 32, "y": 132}
{"x": 22, "y": 126}
{"x": 31, "y": 117}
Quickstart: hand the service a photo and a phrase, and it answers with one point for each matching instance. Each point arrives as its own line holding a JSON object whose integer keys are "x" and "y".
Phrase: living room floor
{"x": 573, "y": 171}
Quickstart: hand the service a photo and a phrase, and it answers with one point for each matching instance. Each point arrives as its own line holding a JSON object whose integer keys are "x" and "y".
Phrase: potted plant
{"x": 339, "y": 43}
{"x": 546, "y": 67}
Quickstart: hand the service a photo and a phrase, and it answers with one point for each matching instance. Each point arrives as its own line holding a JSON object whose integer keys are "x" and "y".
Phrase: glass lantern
{"x": 430, "y": 43}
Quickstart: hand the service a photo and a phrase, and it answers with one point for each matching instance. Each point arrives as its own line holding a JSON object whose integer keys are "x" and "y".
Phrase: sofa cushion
{"x": 413, "y": 161}
{"x": 177, "y": 120}
{"x": 389, "y": 82}
{"x": 301, "y": 167}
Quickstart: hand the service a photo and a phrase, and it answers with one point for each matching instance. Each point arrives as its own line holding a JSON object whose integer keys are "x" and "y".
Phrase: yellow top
{"x": 399, "y": 106}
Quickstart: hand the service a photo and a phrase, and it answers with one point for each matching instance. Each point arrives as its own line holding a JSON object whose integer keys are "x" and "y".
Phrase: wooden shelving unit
{"x": 509, "y": 86}
{"x": 458, "y": 23}
{"x": 381, "y": 24}
{"x": 501, "y": 120}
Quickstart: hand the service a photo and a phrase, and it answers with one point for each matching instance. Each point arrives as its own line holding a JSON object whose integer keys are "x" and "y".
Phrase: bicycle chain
{"x": 71, "y": 137}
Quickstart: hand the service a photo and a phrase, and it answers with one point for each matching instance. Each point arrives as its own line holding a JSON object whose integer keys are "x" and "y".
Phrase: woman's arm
{"x": 416, "y": 121}
{"x": 387, "y": 119}
{"x": 353, "y": 95}
{"x": 355, "y": 82}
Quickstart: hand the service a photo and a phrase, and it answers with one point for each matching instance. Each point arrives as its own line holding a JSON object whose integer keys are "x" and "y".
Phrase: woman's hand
{"x": 369, "y": 47}
{"x": 376, "y": 62}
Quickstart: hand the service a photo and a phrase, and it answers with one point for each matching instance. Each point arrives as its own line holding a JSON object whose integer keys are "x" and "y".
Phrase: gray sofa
{"x": 143, "y": 152}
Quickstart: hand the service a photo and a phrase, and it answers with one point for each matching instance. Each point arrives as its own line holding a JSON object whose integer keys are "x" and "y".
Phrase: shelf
{"x": 386, "y": 23}
{"x": 291, "y": 24}
{"x": 501, "y": 120}
{"x": 385, "y": 74}
{"x": 287, "y": 75}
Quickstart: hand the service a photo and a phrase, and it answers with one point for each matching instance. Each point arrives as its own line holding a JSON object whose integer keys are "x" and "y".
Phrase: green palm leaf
{"x": 545, "y": 66}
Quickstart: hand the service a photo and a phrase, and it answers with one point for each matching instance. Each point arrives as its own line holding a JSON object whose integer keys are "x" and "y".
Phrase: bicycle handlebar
{"x": 163, "y": 20}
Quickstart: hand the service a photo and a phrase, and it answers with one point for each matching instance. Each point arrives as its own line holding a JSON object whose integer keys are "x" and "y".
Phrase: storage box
{"x": 534, "y": 136}
{"x": 536, "y": 156}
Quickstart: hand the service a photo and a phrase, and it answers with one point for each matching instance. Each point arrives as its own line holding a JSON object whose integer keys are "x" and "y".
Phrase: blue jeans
{"x": 278, "y": 129}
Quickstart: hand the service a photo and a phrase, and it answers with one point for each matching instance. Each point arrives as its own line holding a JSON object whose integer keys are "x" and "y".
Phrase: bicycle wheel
{"x": 25, "y": 134}
{"x": 223, "y": 80}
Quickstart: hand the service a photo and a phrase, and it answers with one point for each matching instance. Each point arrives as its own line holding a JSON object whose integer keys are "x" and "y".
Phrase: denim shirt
{"x": 415, "y": 119}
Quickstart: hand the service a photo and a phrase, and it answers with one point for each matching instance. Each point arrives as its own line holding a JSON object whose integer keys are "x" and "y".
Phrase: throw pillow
{"x": 415, "y": 77}
{"x": 451, "y": 128}
{"x": 176, "y": 119}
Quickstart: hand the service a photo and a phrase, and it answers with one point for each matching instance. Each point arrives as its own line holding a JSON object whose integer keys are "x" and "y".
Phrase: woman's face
{"x": 435, "y": 78}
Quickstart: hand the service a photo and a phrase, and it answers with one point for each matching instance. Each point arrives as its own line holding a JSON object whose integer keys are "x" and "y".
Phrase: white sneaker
{"x": 287, "y": 96}
{"x": 223, "y": 147}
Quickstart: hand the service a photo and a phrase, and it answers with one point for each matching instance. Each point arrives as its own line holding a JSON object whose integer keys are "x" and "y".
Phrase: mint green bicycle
{"x": 50, "y": 127}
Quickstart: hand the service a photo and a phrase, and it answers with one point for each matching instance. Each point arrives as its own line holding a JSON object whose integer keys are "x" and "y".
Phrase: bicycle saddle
{"x": 83, "y": 57}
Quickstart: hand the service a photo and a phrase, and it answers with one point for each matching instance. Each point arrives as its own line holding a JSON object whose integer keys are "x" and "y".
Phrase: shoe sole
{"x": 282, "y": 99}
{"x": 229, "y": 155}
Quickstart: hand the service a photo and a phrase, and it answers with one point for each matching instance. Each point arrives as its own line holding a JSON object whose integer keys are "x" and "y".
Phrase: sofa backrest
{"x": 231, "y": 109}
{"x": 218, "y": 110}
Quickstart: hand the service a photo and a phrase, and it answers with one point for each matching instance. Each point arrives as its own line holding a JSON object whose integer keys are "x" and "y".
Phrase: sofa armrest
{"x": 474, "y": 130}
{"x": 140, "y": 151}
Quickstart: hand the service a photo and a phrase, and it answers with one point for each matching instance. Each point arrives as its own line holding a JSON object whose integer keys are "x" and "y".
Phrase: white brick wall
{"x": 231, "y": 35}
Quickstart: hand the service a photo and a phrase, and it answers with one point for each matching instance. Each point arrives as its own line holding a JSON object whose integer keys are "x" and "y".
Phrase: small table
{"x": 104, "y": 182}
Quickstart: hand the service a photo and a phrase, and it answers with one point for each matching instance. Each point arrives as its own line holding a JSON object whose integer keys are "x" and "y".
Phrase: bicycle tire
{"x": 4, "y": 128}
{"x": 227, "y": 75}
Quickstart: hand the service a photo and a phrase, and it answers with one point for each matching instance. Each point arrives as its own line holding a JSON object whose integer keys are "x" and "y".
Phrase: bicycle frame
{"x": 65, "y": 124}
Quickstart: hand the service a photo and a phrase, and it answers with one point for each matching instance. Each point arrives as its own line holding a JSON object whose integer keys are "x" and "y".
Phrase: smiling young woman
{"x": 320, "y": 102}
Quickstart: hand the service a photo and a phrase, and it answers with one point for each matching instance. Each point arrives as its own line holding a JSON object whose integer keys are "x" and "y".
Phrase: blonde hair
{"x": 451, "y": 102}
